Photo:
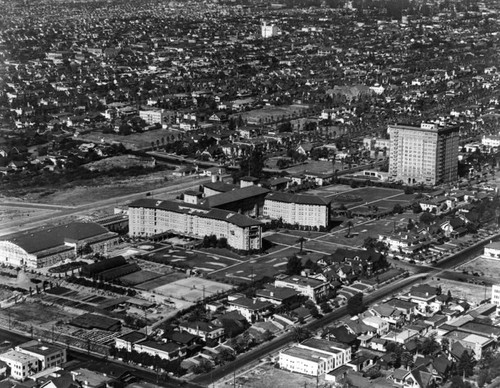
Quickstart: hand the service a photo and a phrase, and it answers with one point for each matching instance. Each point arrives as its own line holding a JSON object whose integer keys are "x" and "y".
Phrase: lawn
{"x": 369, "y": 195}
{"x": 138, "y": 278}
{"x": 268, "y": 265}
{"x": 205, "y": 261}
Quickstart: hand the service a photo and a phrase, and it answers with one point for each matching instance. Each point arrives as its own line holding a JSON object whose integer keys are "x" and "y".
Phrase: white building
{"x": 42, "y": 247}
{"x": 315, "y": 357}
{"x": 48, "y": 355}
{"x": 304, "y": 210}
{"x": 495, "y": 296}
{"x": 149, "y": 217}
{"x": 492, "y": 251}
{"x": 153, "y": 116}
{"x": 491, "y": 141}
{"x": 268, "y": 30}
{"x": 21, "y": 365}
{"x": 427, "y": 154}
{"x": 314, "y": 289}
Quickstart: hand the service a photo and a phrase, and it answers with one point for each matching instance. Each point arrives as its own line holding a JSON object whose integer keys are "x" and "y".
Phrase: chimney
{"x": 214, "y": 178}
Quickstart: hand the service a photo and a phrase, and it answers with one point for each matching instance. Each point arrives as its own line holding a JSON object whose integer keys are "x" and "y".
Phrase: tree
{"x": 445, "y": 344}
{"x": 427, "y": 218}
{"x": 222, "y": 243}
{"x": 294, "y": 266}
{"x": 429, "y": 345}
{"x": 465, "y": 365}
{"x": 355, "y": 304}
{"x": 301, "y": 240}
{"x": 416, "y": 208}
{"x": 253, "y": 165}
{"x": 397, "y": 208}
{"x": 203, "y": 367}
{"x": 301, "y": 334}
{"x": 84, "y": 250}
{"x": 406, "y": 359}
{"x": 349, "y": 225}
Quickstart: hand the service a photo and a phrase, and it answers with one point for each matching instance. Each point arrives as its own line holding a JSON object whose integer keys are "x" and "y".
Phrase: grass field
{"x": 375, "y": 196}
{"x": 192, "y": 289}
{"x": 138, "y": 277}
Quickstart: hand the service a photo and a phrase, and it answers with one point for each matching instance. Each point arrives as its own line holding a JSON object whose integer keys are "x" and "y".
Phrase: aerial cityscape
{"x": 249, "y": 193}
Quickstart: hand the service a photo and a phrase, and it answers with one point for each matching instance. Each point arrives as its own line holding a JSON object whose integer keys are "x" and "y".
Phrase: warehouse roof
{"x": 36, "y": 240}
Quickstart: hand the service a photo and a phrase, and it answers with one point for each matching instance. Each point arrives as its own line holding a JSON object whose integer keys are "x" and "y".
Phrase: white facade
{"x": 48, "y": 355}
{"x": 491, "y": 141}
{"x": 314, "y": 289}
{"x": 269, "y": 30}
{"x": 153, "y": 116}
{"x": 314, "y": 357}
{"x": 305, "y": 361}
{"x": 492, "y": 251}
{"x": 149, "y": 217}
{"x": 21, "y": 365}
{"x": 297, "y": 209}
{"x": 427, "y": 154}
{"x": 495, "y": 296}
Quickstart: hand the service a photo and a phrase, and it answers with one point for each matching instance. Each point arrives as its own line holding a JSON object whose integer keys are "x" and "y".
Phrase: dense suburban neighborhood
{"x": 249, "y": 194}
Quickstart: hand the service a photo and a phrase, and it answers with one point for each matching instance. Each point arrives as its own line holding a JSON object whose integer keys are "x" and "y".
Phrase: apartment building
{"x": 315, "y": 357}
{"x": 304, "y": 210}
{"x": 48, "y": 355}
{"x": 314, "y": 289}
{"x": 426, "y": 154}
{"x": 21, "y": 365}
{"x": 153, "y": 116}
{"x": 149, "y": 217}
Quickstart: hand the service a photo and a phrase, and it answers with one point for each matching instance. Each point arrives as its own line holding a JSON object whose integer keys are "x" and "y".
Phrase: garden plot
{"x": 192, "y": 289}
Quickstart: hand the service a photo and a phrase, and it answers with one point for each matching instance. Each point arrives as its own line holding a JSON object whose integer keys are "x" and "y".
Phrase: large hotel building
{"x": 427, "y": 154}
{"x": 148, "y": 217}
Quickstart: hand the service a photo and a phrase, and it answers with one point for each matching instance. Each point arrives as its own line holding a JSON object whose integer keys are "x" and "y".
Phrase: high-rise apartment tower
{"x": 427, "y": 154}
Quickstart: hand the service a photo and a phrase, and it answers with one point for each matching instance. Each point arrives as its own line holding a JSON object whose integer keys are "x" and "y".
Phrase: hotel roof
{"x": 234, "y": 196}
{"x": 196, "y": 210}
{"x": 301, "y": 199}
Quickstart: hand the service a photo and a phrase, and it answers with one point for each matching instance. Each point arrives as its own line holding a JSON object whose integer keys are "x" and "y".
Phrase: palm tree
{"x": 301, "y": 240}
{"x": 349, "y": 225}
